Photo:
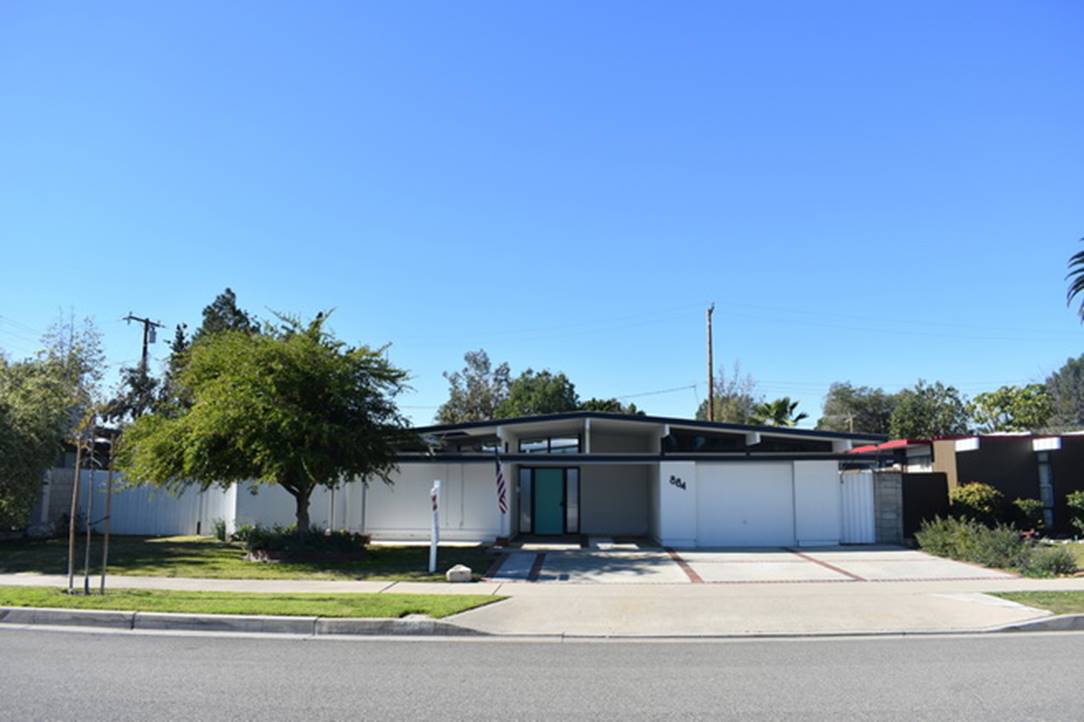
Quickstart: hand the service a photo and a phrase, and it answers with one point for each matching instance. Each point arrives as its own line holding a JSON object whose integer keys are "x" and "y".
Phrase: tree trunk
{"x": 302, "y": 500}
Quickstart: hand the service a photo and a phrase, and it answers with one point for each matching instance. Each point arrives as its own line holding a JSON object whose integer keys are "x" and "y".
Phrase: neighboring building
{"x": 1020, "y": 466}
{"x": 684, "y": 483}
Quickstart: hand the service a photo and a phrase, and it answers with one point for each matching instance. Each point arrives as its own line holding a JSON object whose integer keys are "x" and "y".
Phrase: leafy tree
{"x": 1012, "y": 408}
{"x": 138, "y": 394}
{"x": 225, "y": 315}
{"x": 780, "y": 412}
{"x": 610, "y": 406}
{"x": 735, "y": 398}
{"x": 532, "y": 394}
{"x": 928, "y": 410}
{"x": 1066, "y": 387}
{"x": 1076, "y": 280}
{"x": 476, "y": 391}
{"x": 35, "y": 417}
{"x": 856, "y": 408}
{"x": 292, "y": 406}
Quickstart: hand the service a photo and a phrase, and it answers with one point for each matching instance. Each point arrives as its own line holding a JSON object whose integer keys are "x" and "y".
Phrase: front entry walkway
{"x": 607, "y": 561}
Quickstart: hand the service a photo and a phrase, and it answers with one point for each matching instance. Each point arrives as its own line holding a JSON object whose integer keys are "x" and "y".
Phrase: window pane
{"x": 572, "y": 501}
{"x": 565, "y": 445}
{"x": 532, "y": 446}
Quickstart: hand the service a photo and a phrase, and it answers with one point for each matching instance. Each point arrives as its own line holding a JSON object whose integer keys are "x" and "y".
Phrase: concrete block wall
{"x": 888, "y": 507}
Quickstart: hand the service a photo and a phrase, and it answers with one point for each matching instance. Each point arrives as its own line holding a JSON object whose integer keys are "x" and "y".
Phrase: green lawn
{"x": 209, "y": 558}
{"x": 1056, "y": 602}
{"x": 293, "y": 605}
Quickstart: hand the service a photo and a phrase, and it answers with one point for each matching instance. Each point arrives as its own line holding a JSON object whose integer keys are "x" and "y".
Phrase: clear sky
{"x": 873, "y": 192}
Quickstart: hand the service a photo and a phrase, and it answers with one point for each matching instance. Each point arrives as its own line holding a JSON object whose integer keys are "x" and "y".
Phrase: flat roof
{"x": 657, "y": 420}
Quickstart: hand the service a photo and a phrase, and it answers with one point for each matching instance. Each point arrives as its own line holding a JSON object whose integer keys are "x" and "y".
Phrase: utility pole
{"x": 149, "y": 334}
{"x": 711, "y": 369}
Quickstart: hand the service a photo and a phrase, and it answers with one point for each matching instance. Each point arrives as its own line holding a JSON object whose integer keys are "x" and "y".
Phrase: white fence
{"x": 150, "y": 511}
{"x": 858, "y": 512}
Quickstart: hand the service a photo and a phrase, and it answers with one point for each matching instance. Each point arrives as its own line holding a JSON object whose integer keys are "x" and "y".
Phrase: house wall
{"x": 818, "y": 503}
{"x": 653, "y": 505}
{"x": 677, "y": 504}
{"x": 944, "y": 461}
{"x": 614, "y": 499}
{"x": 1067, "y": 463}
{"x": 1009, "y": 465}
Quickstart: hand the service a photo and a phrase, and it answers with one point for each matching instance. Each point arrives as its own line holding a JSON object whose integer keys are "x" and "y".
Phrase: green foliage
{"x": 1012, "y": 408}
{"x": 534, "y": 393}
{"x": 1075, "y": 501}
{"x": 1030, "y": 512}
{"x": 137, "y": 395}
{"x": 220, "y": 529}
{"x": 1000, "y": 547}
{"x": 292, "y": 406}
{"x": 1075, "y": 277}
{"x": 1051, "y": 561}
{"x": 734, "y": 399}
{"x": 857, "y": 408}
{"x": 288, "y": 541}
{"x": 43, "y": 402}
{"x": 1066, "y": 387}
{"x": 780, "y": 412}
{"x": 225, "y": 315}
{"x": 610, "y": 406}
{"x": 476, "y": 391}
{"x": 977, "y": 501}
{"x": 928, "y": 411}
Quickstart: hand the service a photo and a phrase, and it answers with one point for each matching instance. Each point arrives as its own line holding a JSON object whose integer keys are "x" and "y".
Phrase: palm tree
{"x": 778, "y": 413}
{"x": 1076, "y": 280}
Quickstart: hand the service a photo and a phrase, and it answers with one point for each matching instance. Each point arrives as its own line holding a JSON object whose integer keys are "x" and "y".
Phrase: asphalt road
{"x": 60, "y": 675}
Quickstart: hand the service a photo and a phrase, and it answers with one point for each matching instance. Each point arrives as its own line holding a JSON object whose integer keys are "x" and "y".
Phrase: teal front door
{"x": 549, "y": 501}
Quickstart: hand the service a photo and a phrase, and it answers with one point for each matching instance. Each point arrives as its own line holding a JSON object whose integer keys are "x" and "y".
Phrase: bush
{"x": 285, "y": 541}
{"x": 1030, "y": 512}
{"x": 220, "y": 529}
{"x": 1050, "y": 561}
{"x": 1002, "y": 547}
{"x": 1075, "y": 502}
{"x": 977, "y": 501}
{"x": 242, "y": 533}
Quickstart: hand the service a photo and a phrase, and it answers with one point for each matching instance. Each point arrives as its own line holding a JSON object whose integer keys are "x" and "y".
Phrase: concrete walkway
{"x": 659, "y": 609}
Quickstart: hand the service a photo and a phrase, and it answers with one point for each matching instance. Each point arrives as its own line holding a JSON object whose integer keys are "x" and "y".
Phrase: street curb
{"x": 1060, "y": 623}
{"x": 415, "y": 625}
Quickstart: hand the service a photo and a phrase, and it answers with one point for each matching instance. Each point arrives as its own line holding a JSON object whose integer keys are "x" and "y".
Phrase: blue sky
{"x": 873, "y": 192}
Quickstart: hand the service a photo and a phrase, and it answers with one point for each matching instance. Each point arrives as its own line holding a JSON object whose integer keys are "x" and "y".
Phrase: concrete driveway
{"x": 610, "y": 563}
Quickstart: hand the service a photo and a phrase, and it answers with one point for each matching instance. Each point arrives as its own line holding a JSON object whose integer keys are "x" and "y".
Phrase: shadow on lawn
{"x": 205, "y": 557}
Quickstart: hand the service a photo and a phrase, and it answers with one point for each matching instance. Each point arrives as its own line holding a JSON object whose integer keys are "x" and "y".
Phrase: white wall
{"x": 653, "y": 506}
{"x": 468, "y": 503}
{"x": 818, "y": 503}
{"x": 149, "y": 511}
{"x": 677, "y": 506}
{"x": 614, "y": 500}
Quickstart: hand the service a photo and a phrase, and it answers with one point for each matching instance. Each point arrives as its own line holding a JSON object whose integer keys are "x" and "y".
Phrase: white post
{"x": 434, "y": 537}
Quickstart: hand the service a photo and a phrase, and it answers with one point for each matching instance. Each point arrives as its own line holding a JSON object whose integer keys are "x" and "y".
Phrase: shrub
{"x": 242, "y": 533}
{"x": 1030, "y": 512}
{"x": 285, "y": 541}
{"x": 977, "y": 501}
{"x": 1075, "y": 502}
{"x": 1001, "y": 547}
{"x": 1049, "y": 561}
{"x": 220, "y": 529}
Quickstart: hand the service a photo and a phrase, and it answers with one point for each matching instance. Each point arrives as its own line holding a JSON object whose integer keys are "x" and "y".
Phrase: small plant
{"x": 1075, "y": 502}
{"x": 220, "y": 529}
{"x": 1001, "y": 547}
{"x": 284, "y": 542}
{"x": 980, "y": 502}
{"x": 242, "y": 533}
{"x": 1050, "y": 561}
{"x": 1031, "y": 513}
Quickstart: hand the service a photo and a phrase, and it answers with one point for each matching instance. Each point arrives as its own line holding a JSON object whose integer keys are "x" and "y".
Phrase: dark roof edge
{"x": 573, "y": 459}
{"x": 718, "y": 425}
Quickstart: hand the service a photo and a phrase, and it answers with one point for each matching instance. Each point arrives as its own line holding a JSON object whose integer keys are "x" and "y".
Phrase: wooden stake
{"x": 71, "y": 516}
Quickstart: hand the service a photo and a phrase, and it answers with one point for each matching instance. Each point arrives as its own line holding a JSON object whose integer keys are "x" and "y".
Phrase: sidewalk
{"x": 635, "y": 610}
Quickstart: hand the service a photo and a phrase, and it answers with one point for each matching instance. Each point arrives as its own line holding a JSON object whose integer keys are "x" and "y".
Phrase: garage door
{"x": 744, "y": 505}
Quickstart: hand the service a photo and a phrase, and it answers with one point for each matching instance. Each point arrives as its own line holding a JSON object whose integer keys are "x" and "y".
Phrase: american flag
{"x": 502, "y": 496}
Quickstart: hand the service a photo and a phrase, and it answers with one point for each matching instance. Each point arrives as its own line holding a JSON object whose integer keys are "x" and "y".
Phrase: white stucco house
{"x": 681, "y": 482}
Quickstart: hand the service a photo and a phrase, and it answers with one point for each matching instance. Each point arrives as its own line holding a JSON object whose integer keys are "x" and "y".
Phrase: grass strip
{"x": 1056, "y": 602}
{"x": 300, "y": 604}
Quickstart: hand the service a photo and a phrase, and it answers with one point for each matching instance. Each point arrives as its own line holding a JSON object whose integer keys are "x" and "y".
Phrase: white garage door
{"x": 745, "y": 504}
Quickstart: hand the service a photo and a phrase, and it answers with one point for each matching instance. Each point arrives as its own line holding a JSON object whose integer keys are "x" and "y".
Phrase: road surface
{"x": 99, "y": 676}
